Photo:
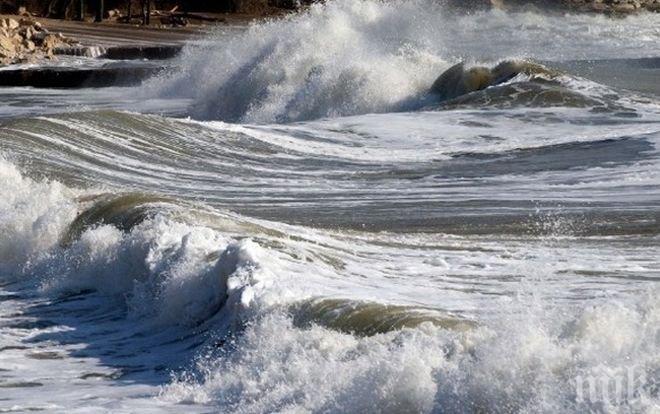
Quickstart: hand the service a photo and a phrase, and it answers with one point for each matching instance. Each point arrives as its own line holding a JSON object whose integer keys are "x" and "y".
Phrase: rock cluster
{"x": 25, "y": 40}
{"x": 610, "y": 7}
{"x": 615, "y": 6}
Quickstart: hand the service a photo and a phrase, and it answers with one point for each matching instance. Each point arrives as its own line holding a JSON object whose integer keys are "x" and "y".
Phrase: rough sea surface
{"x": 287, "y": 221}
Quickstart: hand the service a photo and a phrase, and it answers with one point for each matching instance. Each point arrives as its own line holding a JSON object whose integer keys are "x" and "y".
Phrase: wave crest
{"x": 341, "y": 58}
{"x": 163, "y": 269}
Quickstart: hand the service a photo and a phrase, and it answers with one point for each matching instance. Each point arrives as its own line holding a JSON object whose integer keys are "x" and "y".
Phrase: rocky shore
{"x": 614, "y": 7}
{"x": 608, "y": 7}
{"x": 25, "y": 40}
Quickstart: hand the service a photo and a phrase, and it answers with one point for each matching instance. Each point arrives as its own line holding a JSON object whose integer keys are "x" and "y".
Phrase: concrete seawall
{"x": 76, "y": 78}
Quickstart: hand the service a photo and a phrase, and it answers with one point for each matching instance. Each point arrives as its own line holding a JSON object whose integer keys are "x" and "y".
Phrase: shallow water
{"x": 287, "y": 221}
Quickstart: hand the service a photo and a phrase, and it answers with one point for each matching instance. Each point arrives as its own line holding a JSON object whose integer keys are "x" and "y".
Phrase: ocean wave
{"x": 290, "y": 70}
{"x": 34, "y": 215}
{"x": 161, "y": 269}
{"x": 366, "y": 166}
{"x": 382, "y": 57}
{"x": 522, "y": 84}
{"x": 539, "y": 361}
{"x": 286, "y": 306}
{"x": 496, "y": 251}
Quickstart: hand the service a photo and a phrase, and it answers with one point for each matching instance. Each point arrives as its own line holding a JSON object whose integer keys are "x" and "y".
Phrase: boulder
{"x": 9, "y": 23}
{"x": 26, "y": 41}
{"x": 653, "y": 7}
{"x": 26, "y": 32}
{"x": 38, "y": 37}
{"x": 457, "y": 81}
{"x": 7, "y": 47}
{"x": 50, "y": 42}
{"x": 624, "y": 8}
{"x": 29, "y": 45}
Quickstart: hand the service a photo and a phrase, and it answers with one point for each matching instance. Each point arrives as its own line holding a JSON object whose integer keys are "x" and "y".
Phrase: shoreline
{"x": 108, "y": 33}
{"x": 38, "y": 40}
{"x": 114, "y": 40}
{"x": 111, "y": 33}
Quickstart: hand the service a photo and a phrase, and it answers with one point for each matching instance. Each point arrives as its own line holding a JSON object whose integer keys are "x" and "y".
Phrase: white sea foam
{"x": 545, "y": 308}
{"x": 32, "y": 216}
{"x": 356, "y": 57}
{"x": 428, "y": 136}
{"x": 535, "y": 364}
{"x": 166, "y": 270}
{"x": 529, "y": 357}
{"x": 350, "y": 57}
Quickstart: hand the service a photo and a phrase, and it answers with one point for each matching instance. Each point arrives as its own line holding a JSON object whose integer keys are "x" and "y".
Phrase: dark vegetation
{"x": 102, "y": 9}
{"x": 142, "y": 10}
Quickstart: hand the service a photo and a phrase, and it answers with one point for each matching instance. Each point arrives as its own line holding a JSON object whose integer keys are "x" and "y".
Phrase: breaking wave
{"x": 350, "y": 57}
{"x": 533, "y": 364}
{"x": 269, "y": 350}
{"x": 490, "y": 251}
{"x": 341, "y": 59}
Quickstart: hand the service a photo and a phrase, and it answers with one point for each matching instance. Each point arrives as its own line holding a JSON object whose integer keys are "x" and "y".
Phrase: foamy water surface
{"x": 290, "y": 222}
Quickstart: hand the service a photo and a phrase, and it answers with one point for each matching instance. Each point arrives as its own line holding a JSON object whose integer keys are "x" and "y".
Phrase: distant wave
{"x": 350, "y": 57}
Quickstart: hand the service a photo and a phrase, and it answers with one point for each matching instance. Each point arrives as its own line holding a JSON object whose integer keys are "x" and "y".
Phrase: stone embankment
{"x": 25, "y": 40}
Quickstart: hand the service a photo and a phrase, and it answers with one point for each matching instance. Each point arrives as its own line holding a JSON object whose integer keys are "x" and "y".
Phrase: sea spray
{"x": 343, "y": 58}
{"x": 349, "y": 57}
{"x": 492, "y": 258}
{"x": 164, "y": 270}
{"x": 32, "y": 216}
{"x": 530, "y": 365}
